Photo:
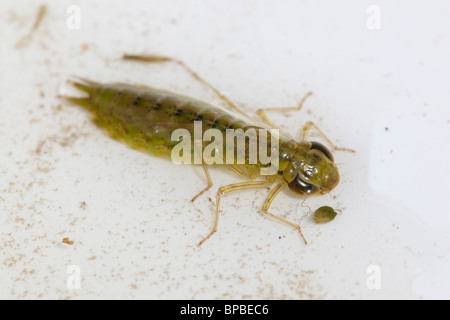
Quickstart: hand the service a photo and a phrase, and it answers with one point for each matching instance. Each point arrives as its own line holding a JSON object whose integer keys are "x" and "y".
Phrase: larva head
{"x": 311, "y": 170}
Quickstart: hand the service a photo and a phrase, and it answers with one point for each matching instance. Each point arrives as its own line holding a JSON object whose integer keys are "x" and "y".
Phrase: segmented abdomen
{"x": 145, "y": 117}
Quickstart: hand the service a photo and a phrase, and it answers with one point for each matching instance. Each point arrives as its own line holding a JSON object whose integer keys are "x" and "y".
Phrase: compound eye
{"x": 299, "y": 186}
{"x": 318, "y": 146}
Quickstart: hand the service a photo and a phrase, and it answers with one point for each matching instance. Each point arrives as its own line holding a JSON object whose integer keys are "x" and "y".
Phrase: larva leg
{"x": 307, "y": 127}
{"x": 209, "y": 182}
{"x": 273, "y": 193}
{"x": 227, "y": 189}
{"x": 262, "y": 112}
{"x": 157, "y": 59}
{"x": 198, "y": 151}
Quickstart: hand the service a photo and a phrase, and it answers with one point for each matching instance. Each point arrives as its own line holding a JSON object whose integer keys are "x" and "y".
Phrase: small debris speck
{"x": 67, "y": 241}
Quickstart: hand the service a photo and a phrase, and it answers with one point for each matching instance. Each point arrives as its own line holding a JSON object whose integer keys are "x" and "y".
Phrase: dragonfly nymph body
{"x": 146, "y": 118}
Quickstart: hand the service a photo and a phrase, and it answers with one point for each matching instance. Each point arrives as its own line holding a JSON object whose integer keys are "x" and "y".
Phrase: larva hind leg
{"x": 159, "y": 59}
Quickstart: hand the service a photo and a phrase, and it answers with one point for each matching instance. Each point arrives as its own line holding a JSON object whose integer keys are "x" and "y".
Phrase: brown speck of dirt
{"x": 67, "y": 241}
{"x": 39, "y": 146}
{"x": 84, "y": 47}
{"x": 83, "y": 205}
{"x": 66, "y": 141}
{"x": 25, "y": 40}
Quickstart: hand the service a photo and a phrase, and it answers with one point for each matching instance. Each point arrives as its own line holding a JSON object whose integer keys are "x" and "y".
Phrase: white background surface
{"x": 130, "y": 215}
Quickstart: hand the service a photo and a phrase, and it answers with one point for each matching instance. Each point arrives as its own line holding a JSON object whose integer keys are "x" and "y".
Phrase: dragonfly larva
{"x": 145, "y": 118}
